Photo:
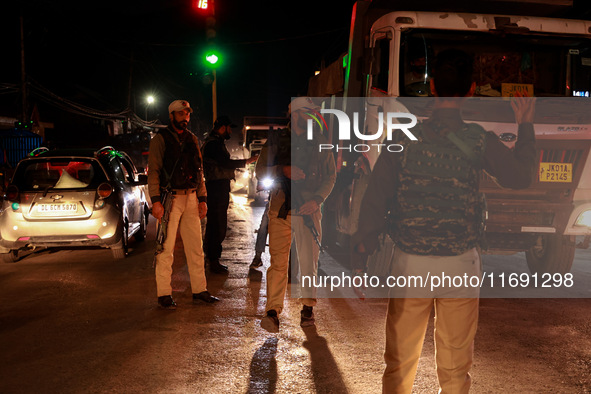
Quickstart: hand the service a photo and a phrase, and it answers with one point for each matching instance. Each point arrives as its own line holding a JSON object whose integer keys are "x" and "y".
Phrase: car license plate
{"x": 556, "y": 172}
{"x": 57, "y": 208}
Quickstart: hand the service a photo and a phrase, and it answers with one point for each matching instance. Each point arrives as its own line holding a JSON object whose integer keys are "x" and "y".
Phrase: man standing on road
{"x": 219, "y": 171}
{"x": 175, "y": 161}
{"x": 437, "y": 220}
{"x": 311, "y": 174}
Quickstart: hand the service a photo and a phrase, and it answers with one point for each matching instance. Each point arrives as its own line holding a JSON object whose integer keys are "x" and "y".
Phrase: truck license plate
{"x": 57, "y": 208}
{"x": 556, "y": 172}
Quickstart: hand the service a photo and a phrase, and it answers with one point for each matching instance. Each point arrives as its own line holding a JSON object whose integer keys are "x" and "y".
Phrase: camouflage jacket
{"x": 427, "y": 197}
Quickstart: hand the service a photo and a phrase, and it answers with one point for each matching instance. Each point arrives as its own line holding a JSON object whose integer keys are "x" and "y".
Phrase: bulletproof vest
{"x": 279, "y": 145}
{"x": 305, "y": 155}
{"x": 437, "y": 208}
{"x": 187, "y": 173}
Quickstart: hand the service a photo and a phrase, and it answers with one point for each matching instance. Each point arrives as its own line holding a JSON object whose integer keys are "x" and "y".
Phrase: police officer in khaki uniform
{"x": 432, "y": 191}
{"x": 312, "y": 175}
{"x": 175, "y": 158}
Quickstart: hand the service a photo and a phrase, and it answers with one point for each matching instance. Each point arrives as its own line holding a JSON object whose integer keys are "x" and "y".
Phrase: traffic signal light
{"x": 212, "y": 59}
{"x": 201, "y": 4}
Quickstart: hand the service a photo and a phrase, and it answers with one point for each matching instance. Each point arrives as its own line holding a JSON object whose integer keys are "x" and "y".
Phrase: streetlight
{"x": 149, "y": 100}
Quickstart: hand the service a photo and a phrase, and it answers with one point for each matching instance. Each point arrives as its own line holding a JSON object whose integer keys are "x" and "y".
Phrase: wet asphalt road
{"x": 80, "y": 322}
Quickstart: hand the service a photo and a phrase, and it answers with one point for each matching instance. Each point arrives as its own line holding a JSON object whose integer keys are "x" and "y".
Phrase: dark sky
{"x": 85, "y": 51}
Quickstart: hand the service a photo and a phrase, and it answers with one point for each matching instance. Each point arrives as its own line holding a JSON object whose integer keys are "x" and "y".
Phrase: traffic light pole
{"x": 214, "y": 95}
{"x": 23, "y": 75}
{"x": 211, "y": 35}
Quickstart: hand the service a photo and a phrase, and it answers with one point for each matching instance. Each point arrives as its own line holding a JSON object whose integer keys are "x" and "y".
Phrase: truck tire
{"x": 553, "y": 254}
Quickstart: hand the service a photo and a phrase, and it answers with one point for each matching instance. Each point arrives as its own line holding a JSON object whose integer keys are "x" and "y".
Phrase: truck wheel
{"x": 552, "y": 254}
{"x": 120, "y": 249}
{"x": 10, "y": 257}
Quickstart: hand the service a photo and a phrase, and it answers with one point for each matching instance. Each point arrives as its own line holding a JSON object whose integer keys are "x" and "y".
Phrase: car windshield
{"x": 540, "y": 65}
{"x": 58, "y": 173}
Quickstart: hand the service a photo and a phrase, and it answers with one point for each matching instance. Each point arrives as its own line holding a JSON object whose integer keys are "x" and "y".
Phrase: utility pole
{"x": 127, "y": 122}
{"x": 214, "y": 95}
{"x": 211, "y": 59}
{"x": 129, "y": 83}
{"x": 211, "y": 35}
{"x": 23, "y": 75}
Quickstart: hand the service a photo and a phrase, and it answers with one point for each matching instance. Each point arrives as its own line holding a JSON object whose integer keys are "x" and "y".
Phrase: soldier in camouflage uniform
{"x": 431, "y": 191}
{"x": 299, "y": 170}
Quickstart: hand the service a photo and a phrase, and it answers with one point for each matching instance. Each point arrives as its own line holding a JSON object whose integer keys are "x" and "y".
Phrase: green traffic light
{"x": 213, "y": 59}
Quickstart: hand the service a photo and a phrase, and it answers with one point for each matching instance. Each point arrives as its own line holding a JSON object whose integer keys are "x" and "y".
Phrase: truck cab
{"x": 542, "y": 57}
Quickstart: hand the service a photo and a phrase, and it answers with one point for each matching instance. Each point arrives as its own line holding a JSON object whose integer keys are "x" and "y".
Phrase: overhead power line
{"x": 64, "y": 104}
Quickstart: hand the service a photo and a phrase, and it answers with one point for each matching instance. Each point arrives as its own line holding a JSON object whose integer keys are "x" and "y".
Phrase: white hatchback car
{"x": 73, "y": 198}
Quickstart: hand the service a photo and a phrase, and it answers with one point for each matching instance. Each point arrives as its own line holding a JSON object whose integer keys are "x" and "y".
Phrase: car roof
{"x": 85, "y": 152}
{"x": 76, "y": 152}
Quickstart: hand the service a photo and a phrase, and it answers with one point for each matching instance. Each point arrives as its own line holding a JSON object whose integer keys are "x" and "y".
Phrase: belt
{"x": 182, "y": 191}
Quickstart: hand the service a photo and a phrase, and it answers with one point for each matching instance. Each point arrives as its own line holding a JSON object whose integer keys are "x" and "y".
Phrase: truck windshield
{"x": 537, "y": 65}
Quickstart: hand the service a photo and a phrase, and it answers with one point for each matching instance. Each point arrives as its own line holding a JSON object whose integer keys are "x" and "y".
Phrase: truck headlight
{"x": 584, "y": 219}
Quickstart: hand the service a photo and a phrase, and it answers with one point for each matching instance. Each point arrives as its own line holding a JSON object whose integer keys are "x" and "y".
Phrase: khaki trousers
{"x": 184, "y": 215}
{"x": 456, "y": 321}
{"x": 280, "y": 235}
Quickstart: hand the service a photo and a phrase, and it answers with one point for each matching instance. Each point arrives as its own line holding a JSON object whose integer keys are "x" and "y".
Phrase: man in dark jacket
{"x": 219, "y": 171}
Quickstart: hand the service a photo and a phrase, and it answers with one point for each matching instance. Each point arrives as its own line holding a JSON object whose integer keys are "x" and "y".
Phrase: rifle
{"x": 166, "y": 199}
{"x": 294, "y": 198}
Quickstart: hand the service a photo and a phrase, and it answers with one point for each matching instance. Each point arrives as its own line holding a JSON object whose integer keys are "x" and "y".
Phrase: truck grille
{"x": 561, "y": 156}
{"x": 551, "y": 156}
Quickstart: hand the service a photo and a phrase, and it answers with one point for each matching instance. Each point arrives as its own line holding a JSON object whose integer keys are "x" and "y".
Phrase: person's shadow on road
{"x": 255, "y": 278}
{"x": 263, "y": 368}
{"x": 327, "y": 376}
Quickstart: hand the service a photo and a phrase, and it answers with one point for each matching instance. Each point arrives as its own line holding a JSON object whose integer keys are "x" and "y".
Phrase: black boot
{"x": 216, "y": 267}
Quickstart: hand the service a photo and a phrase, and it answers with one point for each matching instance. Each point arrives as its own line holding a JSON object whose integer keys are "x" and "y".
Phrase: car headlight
{"x": 267, "y": 183}
{"x": 584, "y": 219}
